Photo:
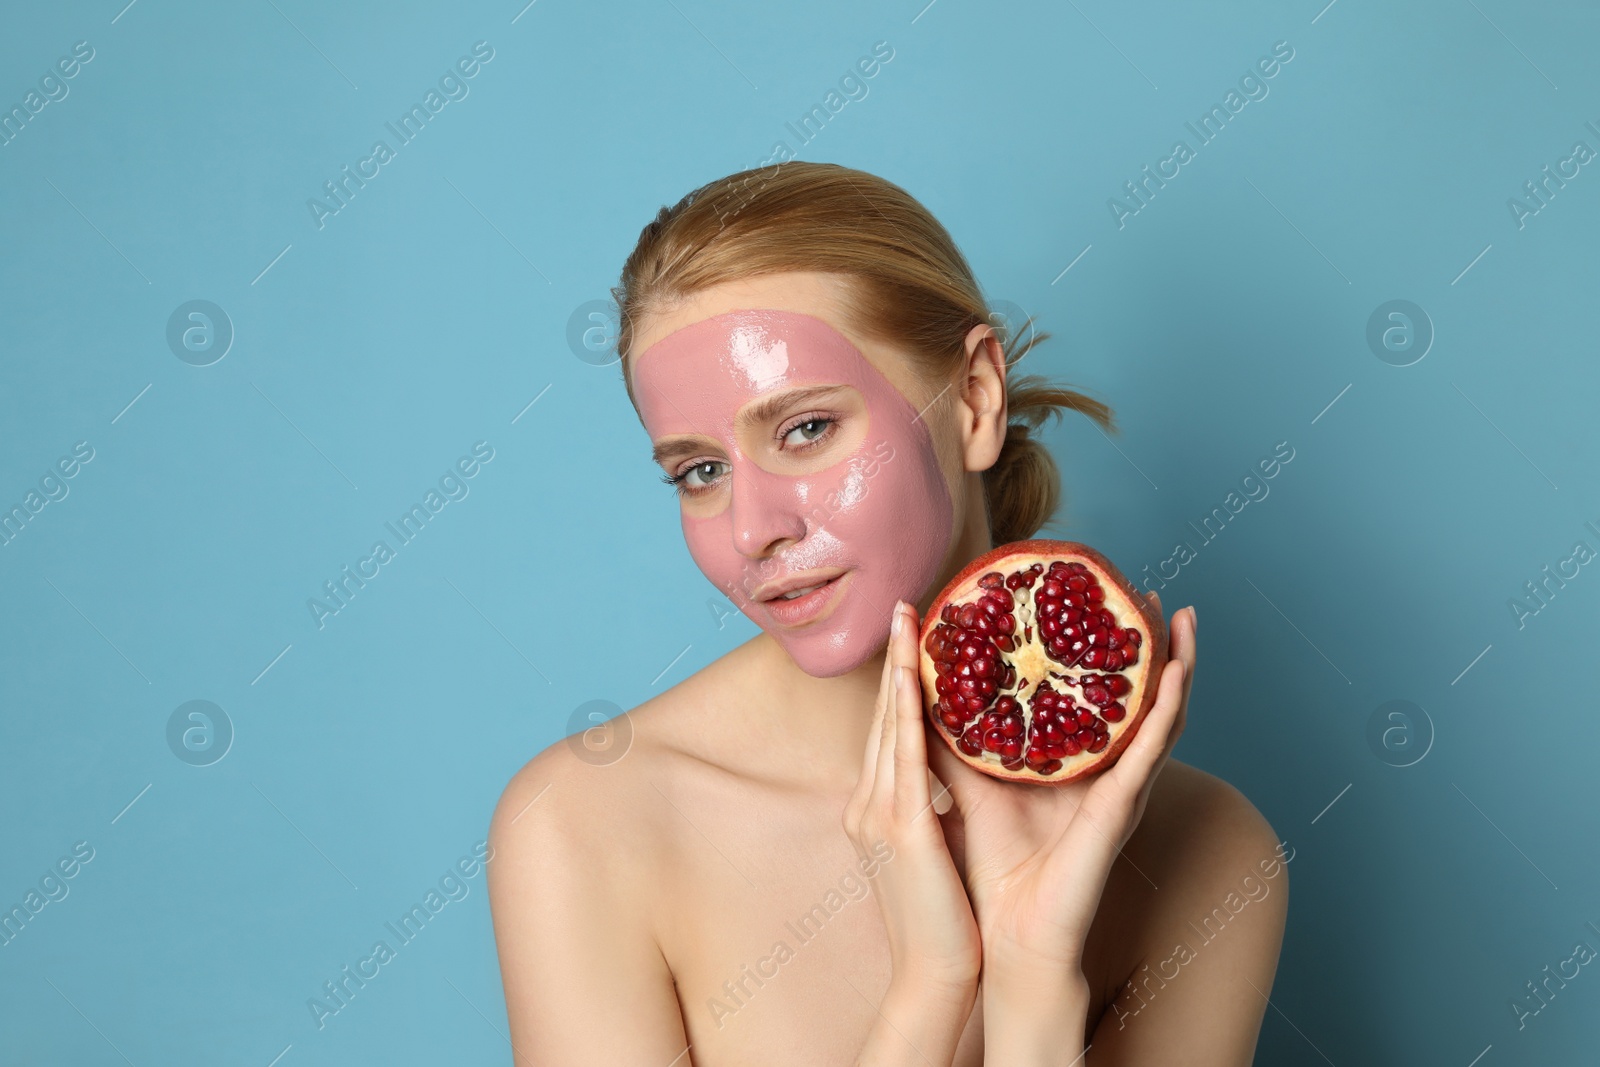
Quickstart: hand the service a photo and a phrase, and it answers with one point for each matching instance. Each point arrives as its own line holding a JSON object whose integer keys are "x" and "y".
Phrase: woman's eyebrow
{"x": 764, "y": 410}
{"x": 769, "y": 408}
{"x": 673, "y": 448}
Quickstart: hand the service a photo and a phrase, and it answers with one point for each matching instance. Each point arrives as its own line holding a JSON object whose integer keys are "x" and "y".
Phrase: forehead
{"x": 695, "y": 379}
{"x": 808, "y": 292}
{"x": 754, "y": 349}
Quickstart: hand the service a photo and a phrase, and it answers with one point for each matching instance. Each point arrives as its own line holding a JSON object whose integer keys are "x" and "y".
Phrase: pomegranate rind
{"x": 1126, "y": 601}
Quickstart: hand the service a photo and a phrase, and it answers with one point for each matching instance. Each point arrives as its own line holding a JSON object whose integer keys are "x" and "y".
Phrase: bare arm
{"x": 584, "y": 980}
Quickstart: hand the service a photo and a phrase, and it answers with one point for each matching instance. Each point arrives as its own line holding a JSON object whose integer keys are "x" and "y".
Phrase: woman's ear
{"x": 982, "y": 403}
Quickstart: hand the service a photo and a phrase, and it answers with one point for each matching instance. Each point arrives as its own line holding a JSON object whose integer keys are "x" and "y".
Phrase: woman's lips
{"x": 809, "y": 608}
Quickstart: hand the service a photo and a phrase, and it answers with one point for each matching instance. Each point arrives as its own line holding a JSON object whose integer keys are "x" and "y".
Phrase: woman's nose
{"x": 766, "y": 511}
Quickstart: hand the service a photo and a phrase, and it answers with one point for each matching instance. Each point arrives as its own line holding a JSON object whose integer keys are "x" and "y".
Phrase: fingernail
{"x": 899, "y": 618}
{"x": 1194, "y": 619}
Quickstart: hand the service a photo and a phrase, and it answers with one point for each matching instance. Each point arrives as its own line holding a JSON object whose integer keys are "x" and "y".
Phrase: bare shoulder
{"x": 1195, "y": 818}
{"x": 597, "y": 796}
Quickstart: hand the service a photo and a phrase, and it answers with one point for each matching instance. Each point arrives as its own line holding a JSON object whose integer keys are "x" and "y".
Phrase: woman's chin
{"x": 836, "y": 648}
{"x": 831, "y": 666}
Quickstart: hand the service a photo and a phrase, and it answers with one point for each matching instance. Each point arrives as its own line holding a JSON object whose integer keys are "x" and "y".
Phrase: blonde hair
{"x": 911, "y": 288}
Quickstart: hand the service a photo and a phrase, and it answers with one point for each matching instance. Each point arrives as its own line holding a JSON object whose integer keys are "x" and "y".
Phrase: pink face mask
{"x": 861, "y": 508}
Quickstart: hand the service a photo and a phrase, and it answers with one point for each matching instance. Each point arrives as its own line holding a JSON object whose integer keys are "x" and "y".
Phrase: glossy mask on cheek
{"x": 881, "y": 515}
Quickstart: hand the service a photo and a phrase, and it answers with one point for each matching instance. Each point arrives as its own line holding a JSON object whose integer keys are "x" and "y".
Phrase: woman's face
{"x": 811, "y": 493}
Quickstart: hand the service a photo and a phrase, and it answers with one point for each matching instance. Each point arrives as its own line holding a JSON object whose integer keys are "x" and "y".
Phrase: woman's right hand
{"x": 933, "y": 937}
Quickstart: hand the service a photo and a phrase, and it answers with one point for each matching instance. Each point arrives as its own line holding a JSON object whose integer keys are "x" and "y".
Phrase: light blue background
{"x": 428, "y": 314}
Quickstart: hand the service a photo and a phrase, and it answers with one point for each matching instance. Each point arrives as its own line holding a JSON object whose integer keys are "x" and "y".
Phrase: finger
{"x": 911, "y": 758}
{"x": 943, "y": 800}
{"x": 963, "y": 783}
{"x": 1189, "y": 653}
{"x": 869, "y": 757}
{"x": 1182, "y": 644}
{"x": 1115, "y": 800}
{"x": 886, "y": 740}
{"x": 879, "y": 709}
{"x": 1134, "y": 766}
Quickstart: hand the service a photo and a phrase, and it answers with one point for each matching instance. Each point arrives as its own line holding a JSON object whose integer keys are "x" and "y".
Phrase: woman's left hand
{"x": 1036, "y": 858}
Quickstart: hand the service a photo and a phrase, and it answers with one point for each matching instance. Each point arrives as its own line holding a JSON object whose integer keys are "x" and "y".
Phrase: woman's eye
{"x": 809, "y": 430}
{"x": 702, "y": 474}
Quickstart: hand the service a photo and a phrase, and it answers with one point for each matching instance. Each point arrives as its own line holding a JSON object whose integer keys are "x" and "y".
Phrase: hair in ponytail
{"x": 911, "y": 287}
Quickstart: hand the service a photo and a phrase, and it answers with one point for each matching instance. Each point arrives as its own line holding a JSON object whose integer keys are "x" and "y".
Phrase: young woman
{"x": 785, "y": 867}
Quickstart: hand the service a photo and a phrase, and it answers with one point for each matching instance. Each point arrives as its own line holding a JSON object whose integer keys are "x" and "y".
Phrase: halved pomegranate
{"x": 1040, "y": 660}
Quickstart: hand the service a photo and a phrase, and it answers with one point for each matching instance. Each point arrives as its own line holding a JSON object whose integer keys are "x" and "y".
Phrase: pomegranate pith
{"x": 1039, "y": 661}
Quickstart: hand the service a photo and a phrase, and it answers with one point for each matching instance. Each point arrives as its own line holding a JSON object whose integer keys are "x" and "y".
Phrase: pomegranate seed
{"x": 992, "y": 740}
{"x": 972, "y": 742}
{"x": 1099, "y": 744}
{"x": 1050, "y": 768}
{"x": 1052, "y": 588}
{"x": 1114, "y": 713}
{"x": 1010, "y": 748}
{"x": 992, "y": 580}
